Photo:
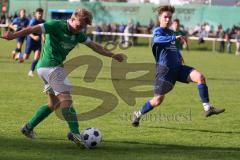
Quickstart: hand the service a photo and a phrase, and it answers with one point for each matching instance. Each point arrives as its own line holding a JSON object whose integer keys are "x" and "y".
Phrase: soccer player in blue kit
{"x": 34, "y": 41}
{"x": 18, "y": 24}
{"x": 169, "y": 68}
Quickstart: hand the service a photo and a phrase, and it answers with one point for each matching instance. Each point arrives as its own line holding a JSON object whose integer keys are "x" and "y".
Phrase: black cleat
{"x": 213, "y": 111}
{"x": 28, "y": 132}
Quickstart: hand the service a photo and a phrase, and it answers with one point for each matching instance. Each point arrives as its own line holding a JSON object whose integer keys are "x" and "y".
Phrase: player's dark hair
{"x": 176, "y": 20}
{"x": 24, "y": 10}
{"x": 39, "y": 10}
{"x": 168, "y": 8}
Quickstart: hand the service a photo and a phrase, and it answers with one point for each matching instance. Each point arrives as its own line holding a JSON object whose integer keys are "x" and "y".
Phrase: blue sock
{"x": 203, "y": 93}
{"x": 146, "y": 108}
{"x": 34, "y": 63}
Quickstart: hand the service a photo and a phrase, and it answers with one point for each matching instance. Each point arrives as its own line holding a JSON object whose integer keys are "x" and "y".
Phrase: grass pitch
{"x": 175, "y": 130}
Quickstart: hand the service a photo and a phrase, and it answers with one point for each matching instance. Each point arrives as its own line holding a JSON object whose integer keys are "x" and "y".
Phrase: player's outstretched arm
{"x": 23, "y": 32}
{"x": 100, "y": 50}
{"x": 12, "y": 26}
{"x": 35, "y": 38}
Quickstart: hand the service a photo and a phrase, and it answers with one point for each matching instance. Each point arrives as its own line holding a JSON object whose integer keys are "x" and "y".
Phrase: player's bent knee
{"x": 65, "y": 96}
{"x": 201, "y": 78}
{"x": 65, "y": 99}
{"x": 54, "y": 105}
{"x": 156, "y": 101}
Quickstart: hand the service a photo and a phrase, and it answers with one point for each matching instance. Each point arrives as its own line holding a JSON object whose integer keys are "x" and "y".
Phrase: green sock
{"x": 39, "y": 116}
{"x": 70, "y": 116}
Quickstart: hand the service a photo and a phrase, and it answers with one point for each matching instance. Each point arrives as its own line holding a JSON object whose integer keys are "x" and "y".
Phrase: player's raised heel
{"x": 213, "y": 111}
{"x": 77, "y": 139}
{"x": 28, "y": 132}
{"x": 135, "y": 119}
{"x": 30, "y": 74}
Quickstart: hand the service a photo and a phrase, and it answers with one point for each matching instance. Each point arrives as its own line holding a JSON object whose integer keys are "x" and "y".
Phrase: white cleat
{"x": 30, "y": 74}
{"x": 135, "y": 119}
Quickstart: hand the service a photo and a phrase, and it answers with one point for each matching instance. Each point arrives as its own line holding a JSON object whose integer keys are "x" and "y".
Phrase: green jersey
{"x": 179, "y": 45}
{"x": 58, "y": 43}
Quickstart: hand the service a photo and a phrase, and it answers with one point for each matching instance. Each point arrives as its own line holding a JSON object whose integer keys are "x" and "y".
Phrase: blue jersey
{"x": 34, "y": 22}
{"x": 164, "y": 48}
{"x": 20, "y": 22}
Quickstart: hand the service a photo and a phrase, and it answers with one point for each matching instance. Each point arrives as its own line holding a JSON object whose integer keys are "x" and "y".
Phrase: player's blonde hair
{"x": 81, "y": 13}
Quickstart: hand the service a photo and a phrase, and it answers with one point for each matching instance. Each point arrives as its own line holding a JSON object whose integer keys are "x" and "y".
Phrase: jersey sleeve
{"x": 50, "y": 26}
{"x": 32, "y": 22}
{"x": 15, "y": 21}
{"x": 159, "y": 37}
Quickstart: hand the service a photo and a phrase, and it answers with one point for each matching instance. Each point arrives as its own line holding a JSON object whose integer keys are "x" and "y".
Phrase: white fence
{"x": 149, "y": 36}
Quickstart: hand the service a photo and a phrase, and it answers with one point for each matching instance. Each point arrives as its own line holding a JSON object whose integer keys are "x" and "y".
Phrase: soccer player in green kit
{"x": 61, "y": 37}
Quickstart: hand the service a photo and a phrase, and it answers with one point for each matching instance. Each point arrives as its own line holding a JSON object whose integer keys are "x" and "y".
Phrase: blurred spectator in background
{"x": 129, "y": 29}
{"x": 238, "y": 42}
{"x": 221, "y": 35}
{"x": 196, "y": 29}
{"x": 114, "y": 28}
{"x": 3, "y": 19}
{"x": 121, "y": 29}
{"x": 98, "y": 36}
{"x": 9, "y": 18}
{"x": 151, "y": 25}
{"x": 136, "y": 29}
{"x": 207, "y": 29}
{"x": 108, "y": 29}
{"x": 228, "y": 40}
{"x": 202, "y": 34}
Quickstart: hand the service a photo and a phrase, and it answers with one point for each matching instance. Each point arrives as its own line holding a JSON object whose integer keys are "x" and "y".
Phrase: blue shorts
{"x": 32, "y": 46}
{"x": 167, "y": 77}
{"x": 20, "y": 39}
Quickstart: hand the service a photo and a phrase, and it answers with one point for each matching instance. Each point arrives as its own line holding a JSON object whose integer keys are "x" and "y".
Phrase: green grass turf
{"x": 164, "y": 135}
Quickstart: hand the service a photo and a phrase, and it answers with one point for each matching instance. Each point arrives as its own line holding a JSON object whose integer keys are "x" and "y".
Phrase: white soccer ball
{"x": 92, "y": 137}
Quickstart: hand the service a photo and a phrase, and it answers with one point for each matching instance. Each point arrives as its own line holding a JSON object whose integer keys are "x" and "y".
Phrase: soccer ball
{"x": 92, "y": 137}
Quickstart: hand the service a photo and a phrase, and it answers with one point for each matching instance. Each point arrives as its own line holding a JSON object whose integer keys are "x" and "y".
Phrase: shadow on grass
{"x": 224, "y": 79}
{"x": 150, "y": 80}
{"x": 48, "y": 148}
{"x": 201, "y": 48}
{"x": 196, "y": 130}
